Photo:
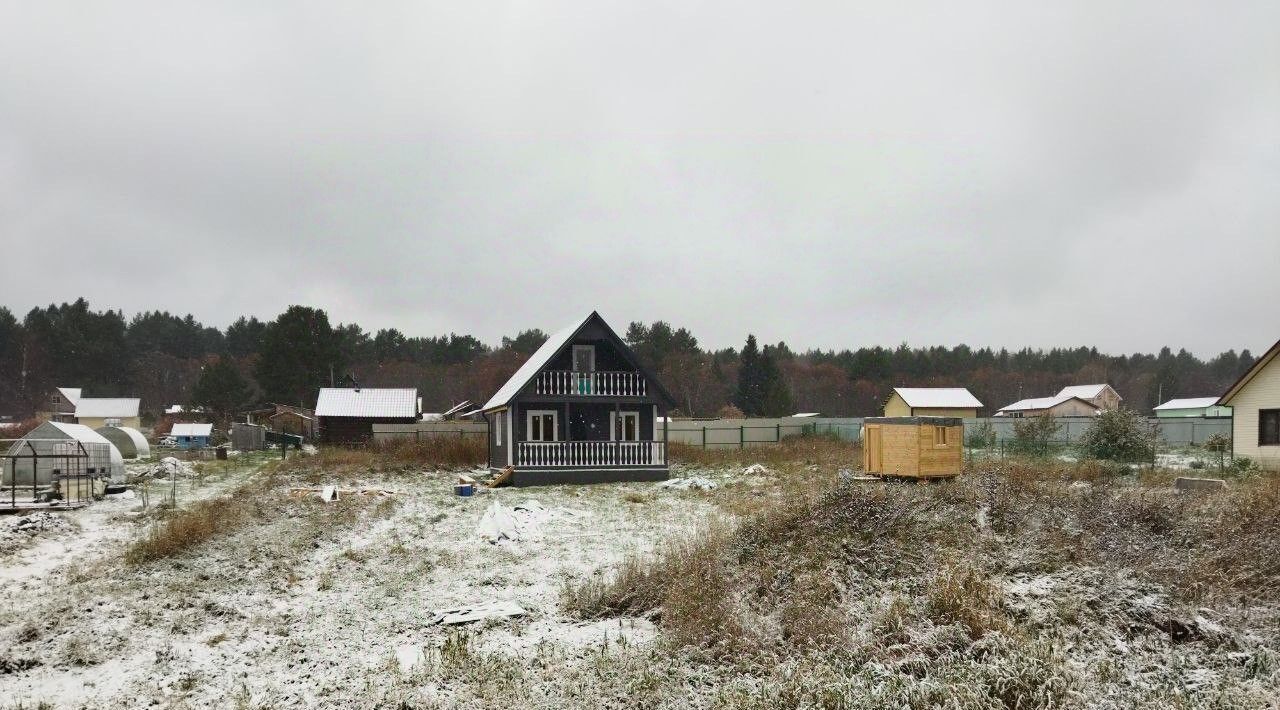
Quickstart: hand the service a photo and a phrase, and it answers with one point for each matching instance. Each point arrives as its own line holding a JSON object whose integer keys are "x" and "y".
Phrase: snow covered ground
{"x": 314, "y": 604}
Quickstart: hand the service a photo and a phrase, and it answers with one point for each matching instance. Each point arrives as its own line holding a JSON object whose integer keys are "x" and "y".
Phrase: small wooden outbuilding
{"x": 913, "y": 447}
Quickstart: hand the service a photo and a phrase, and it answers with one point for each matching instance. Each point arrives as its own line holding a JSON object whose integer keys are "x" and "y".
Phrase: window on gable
{"x": 1269, "y": 427}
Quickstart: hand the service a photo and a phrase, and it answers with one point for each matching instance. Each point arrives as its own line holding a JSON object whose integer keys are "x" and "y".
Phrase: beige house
{"x": 1056, "y": 406}
{"x": 97, "y": 412}
{"x": 1103, "y": 397}
{"x": 931, "y": 402}
{"x": 1255, "y": 411}
{"x": 60, "y": 405}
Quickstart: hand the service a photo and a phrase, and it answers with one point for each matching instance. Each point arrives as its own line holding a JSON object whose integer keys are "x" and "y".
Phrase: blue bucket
{"x": 464, "y": 489}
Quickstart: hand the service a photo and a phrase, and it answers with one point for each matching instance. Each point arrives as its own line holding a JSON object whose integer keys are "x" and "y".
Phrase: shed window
{"x": 497, "y": 427}
{"x": 1269, "y": 427}
{"x": 939, "y": 436}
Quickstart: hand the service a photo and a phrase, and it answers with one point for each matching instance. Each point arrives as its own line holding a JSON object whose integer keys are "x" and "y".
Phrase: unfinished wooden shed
{"x": 913, "y": 447}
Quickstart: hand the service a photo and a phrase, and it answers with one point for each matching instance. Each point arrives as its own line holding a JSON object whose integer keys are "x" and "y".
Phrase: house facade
{"x": 60, "y": 405}
{"x": 1255, "y": 411}
{"x": 1103, "y": 396}
{"x": 932, "y": 402}
{"x": 345, "y": 416}
{"x": 582, "y": 409}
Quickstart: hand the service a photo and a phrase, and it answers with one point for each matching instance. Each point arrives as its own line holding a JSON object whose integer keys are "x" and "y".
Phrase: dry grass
{"x": 793, "y": 451}
{"x": 783, "y": 579}
{"x": 407, "y": 455}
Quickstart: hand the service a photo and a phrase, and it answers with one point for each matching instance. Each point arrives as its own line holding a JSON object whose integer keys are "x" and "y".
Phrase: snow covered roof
{"x": 805, "y": 415}
{"x": 191, "y": 430}
{"x": 71, "y": 394}
{"x": 1082, "y": 391}
{"x": 1190, "y": 403}
{"x": 938, "y": 397}
{"x": 368, "y": 402}
{"x": 107, "y": 407}
{"x": 554, "y": 344}
{"x": 1037, "y": 403}
{"x": 535, "y": 363}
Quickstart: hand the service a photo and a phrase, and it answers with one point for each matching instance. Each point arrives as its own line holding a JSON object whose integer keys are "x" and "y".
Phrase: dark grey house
{"x": 582, "y": 409}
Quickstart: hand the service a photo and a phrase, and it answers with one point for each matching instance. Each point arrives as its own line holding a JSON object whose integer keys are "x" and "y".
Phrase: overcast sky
{"x": 830, "y": 174}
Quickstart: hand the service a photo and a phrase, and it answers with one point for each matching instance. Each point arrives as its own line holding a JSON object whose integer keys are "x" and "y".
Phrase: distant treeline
{"x": 161, "y": 357}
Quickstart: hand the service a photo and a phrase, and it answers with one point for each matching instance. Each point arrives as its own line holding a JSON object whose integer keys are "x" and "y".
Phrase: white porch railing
{"x": 607, "y": 384}
{"x": 591, "y": 453}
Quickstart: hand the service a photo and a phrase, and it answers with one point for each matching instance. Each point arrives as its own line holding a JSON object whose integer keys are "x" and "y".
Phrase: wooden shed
{"x": 913, "y": 447}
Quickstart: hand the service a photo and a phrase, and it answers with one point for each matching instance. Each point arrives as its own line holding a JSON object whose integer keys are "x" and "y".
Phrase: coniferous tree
{"x": 221, "y": 389}
{"x": 776, "y": 395}
{"x": 300, "y": 354}
{"x": 750, "y": 396}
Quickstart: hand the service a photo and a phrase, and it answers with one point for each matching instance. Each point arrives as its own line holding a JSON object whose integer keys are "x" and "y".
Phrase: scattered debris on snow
{"x": 18, "y": 531}
{"x": 498, "y": 525}
{"x": 478, "y": 612}
{"x": 329, "y": 494}
{"x": 694, "y": 482}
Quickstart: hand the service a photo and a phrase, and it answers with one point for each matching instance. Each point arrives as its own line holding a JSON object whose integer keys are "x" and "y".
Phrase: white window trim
{"x": 617, "y": 426}
{"x": 555, "y": 424}
{"x": 499, "y": 435}
{"x": 584, "y": 348}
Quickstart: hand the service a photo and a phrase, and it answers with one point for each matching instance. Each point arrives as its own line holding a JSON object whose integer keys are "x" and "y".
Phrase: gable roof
{"x": 1035, "y": 403}
{"x": 1084, "y": 391}
{"x": 1258, "y": 366}
{"x": 191, "y": 430}
{"x": 71, "y": 394}
{"x": 938, "y": 397}
{"x": 121, "y": 407}
{"x": 370, "y": 402}
{"x": 557, "y": 342}
{"x": 1190, "y": 403}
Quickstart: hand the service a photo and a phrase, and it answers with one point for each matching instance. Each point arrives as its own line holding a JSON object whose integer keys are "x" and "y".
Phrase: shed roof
{"x": 370, "y": 402}
{"x": 556, "y": 342}
{"x": 938, "y": 397}
{"x": 1190, "y": 403}
{"x": 191, "y": 430}
{"x": 107, "y": 407}
{"x": 1083, "y": 391}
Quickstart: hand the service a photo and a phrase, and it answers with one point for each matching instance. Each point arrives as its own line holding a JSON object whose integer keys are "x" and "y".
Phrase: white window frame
{"x": 587, "y": 349}
{"x": 497, "y": 426}
{"x": 618, "y": 427}
{"x": 555, "y": 424}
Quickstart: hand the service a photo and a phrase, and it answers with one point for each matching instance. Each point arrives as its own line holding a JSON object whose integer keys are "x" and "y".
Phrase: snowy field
{"x": 351, "y": 603}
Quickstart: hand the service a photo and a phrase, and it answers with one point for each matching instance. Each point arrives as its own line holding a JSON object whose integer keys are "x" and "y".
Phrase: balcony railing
{"x": 604, "y": 384}
{"x": 591, "y": 453}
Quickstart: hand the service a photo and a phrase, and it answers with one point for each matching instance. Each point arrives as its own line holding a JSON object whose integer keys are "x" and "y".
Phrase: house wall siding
{"x": 896, "y": 406}
{"x": 1260, "y": 392}
{"x": 98, "y": 422}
